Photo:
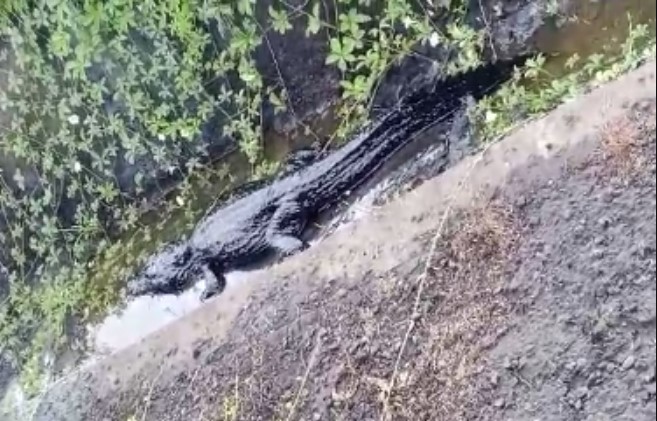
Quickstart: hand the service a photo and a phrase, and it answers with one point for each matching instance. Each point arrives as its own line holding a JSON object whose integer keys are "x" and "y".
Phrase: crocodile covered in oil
{"x": 272, "y": 218}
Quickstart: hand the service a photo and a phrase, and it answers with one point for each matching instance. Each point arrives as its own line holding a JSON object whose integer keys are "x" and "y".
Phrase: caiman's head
{"x": 169, "y": 271}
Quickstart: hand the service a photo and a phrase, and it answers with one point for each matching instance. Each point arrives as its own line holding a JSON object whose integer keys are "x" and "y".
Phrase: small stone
{"x": 494, "y": 379}
{"x": 609, "y": 195}
{"x": 521, "y": 201}
{"x": 582, "y": 392}
{"x": 374, "y": 349}
{"x": 646, "y": 317}
{"x": 581, "y": 363}
{"x": 604, "y": 222}
{"x": 73, "y": 119}
{"x": 629, "y": 362}
{"x": 341, "y": 293}
{"x": 610, "y": 367}
{"x": 643, "y": 250}
{"x": 641, "y": 280}
{"x": 317, "y": 416}
{"x": 598, "y": 332}
{"x": 499, "y": 403}
{"x": 594, "y": 379}
{"x": 597, "y": 253}
{"x": 599, "y": 240}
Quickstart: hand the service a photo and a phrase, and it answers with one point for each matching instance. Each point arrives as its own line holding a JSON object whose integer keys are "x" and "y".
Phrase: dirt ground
{"x": 519, "y": 285}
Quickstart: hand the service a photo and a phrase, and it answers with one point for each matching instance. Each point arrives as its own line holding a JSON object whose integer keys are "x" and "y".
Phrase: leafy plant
{"x": 88, "y": 85}
{"x": 534, "y": 90}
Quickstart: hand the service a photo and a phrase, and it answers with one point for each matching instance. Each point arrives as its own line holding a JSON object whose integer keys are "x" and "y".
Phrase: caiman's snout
{"x": 169, "y": 271}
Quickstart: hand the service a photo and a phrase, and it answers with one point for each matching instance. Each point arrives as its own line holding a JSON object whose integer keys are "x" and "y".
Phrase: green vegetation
{"x": 86, "y": 83}
{"x": 533, "y": 91}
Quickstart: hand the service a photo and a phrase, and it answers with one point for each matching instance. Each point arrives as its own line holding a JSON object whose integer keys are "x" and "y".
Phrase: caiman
{"x": 272, "y": 219}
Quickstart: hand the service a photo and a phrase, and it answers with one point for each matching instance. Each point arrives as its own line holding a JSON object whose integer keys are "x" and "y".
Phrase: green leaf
{"x": 244, "y": 40}
{"x": 107, "y": 192}
{"x": 358, "y": 89}
{"x": 534, "y": 66}
{"x": 572, "y": 61}
{"x": 278, "y": 103}
{"x": 280, "y": 21}
{"x": 245, "y": 7}
{"x": 60, "y": 43}
{"x": 93, "y": 15}
{"x": 314, "y": 23}
{"x": 341, "y": 52}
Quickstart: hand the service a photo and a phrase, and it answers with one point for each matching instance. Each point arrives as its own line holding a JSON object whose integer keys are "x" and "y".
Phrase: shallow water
{"x": 141, "y": 317}
{"x": 592, "y": 26}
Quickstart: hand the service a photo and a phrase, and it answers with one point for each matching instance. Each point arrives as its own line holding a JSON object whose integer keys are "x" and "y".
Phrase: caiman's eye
{"x": 183, "y": 257}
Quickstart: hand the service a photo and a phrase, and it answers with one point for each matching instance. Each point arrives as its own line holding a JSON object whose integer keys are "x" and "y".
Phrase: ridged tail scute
{"x": 477, "y": 82}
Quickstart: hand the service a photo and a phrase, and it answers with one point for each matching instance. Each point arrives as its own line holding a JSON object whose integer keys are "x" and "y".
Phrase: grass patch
{"x": 621, "y": 140}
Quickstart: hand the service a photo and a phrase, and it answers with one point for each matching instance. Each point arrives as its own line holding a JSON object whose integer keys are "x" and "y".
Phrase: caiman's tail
{"x": 446, "y": 95}
{"x": 435, "y": 107}
{"x": 485, "y": 79}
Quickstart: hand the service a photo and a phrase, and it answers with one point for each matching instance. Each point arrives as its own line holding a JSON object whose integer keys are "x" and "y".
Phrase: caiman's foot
{"x": 215, "y": 282}
{"x": 300, "y": 159}
{"x": 210, "y": 291}
{"x": 287, "y": 245}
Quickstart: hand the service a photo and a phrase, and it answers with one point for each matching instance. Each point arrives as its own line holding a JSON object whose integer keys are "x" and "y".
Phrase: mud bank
{"x": 518, "y": 285}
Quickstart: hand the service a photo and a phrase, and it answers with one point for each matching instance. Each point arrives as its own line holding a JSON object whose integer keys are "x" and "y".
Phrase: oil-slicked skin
{"x": 272, "y": 218}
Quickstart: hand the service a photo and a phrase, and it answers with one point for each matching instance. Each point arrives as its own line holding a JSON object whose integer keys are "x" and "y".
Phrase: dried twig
{"x": 311, "y": 362}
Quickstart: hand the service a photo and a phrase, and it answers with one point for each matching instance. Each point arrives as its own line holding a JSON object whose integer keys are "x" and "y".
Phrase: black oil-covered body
{"x": 272, "y": 218}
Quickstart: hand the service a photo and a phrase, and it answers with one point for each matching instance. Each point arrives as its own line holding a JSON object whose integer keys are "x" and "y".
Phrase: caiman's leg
{"x": 300, "y": 159}
{"x": 215, "y": 282}
{"x": 285, "y": 227}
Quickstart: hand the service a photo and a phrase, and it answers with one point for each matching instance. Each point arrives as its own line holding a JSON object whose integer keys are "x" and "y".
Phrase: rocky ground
{"x": 519, "y": 285}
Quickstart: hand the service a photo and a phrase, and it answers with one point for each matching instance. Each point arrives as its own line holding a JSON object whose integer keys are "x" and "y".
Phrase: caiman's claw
{"x": 215, "y": 282}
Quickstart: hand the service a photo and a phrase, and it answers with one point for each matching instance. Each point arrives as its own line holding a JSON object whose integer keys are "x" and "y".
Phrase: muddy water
{"x": 148, "y": 314}
{"x": 591, "y": 27}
